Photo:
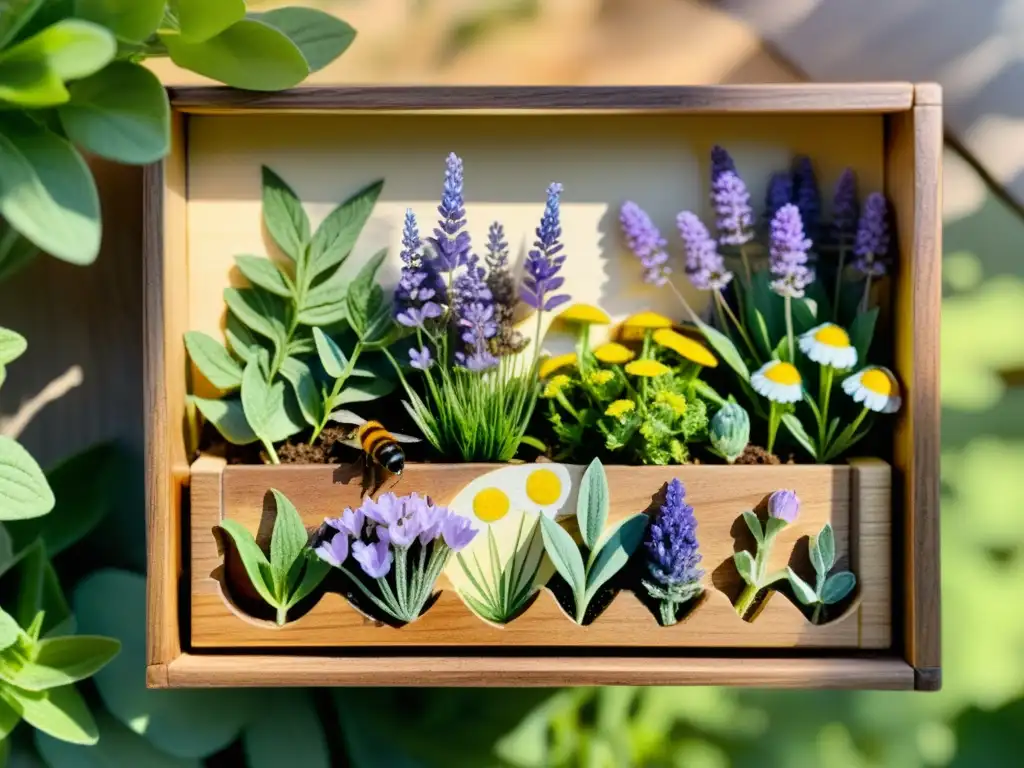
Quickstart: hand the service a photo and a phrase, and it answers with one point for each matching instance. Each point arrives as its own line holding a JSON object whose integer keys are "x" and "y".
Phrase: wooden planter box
{"x": 885, "y": 516}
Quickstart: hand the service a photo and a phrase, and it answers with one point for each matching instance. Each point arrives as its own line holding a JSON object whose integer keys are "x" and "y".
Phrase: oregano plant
{"x": 829, "y": 588}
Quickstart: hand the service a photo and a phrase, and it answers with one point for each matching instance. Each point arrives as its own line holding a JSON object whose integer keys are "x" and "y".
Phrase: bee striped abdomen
{"x": 381, "y": 446}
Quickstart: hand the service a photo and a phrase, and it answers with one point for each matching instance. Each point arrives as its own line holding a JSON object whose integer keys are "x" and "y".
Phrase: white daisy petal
{"x": 778, "y": 381}
{"x": 828, "y": 344}
{"x": 876, "y": 387}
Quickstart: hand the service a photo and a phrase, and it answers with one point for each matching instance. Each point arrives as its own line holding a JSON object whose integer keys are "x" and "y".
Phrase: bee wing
{"x": 347, "y": 417}
{"x": 399, "y": 437}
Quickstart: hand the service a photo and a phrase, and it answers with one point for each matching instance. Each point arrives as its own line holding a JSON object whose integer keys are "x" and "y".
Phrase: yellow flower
{"x": 613, "y": 353}
{"x": 556, "y": 385}
{"x": 620, "y": 408}
{"x": 585, "y": 313}
{"x": 676, "y": 402}
{"x": 600, "y": 378}
{"x": 647, "y": 320}
{"x": 779, "y": 381}
{"x": 685, "y": 347}
{"x": 647, "y": 368}
{"x": 876, "y": 387}
{"x": 552, "y": 364}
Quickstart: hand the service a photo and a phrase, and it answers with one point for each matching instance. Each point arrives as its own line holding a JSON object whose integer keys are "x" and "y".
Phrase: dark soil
{"x": 328, "y": 449}
{"x": 755, "y": 454}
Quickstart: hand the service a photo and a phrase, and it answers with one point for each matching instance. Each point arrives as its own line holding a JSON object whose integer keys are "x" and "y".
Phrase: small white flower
{"x": 876, "y": 387}
{"x": 778, "y": 381}
{"x": 828, "y": 344}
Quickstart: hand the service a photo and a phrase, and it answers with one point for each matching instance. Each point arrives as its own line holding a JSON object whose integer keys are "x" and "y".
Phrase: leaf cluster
{"x": 606, "y": 554}
{"x": 503, "y": 592}
{"x": 71, "y": 75}
{"x": 828, "y": 589}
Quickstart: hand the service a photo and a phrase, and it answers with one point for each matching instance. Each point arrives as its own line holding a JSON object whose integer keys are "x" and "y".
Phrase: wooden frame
{"x": 913, "y": 126}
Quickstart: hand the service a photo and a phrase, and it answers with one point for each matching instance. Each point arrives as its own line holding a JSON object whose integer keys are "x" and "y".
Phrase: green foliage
{"x": 83, "y": 59}
{"x": 753, "y": 568}
{"x": 504, "y": 592}
{"x": 828, "y": 588}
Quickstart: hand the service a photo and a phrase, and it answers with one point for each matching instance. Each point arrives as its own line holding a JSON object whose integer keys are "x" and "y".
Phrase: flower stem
{"x": 867, "y": 293}
{"x": 827, "y": 373}
{"x": 339, "y": 383}
{"x": 271, "y": 452}
{"x": 282, "y": 615}
{"x": 839, "y": 280}
{"x": 817, "y": 613}
{"x": 739, "y": 326}
{"x": 789, "y": 330}
{"x": 773, "y": 425}
{"x": 668, "y": 613}
{"x": 746, "y": 599}
{"x": 746, "y": 265}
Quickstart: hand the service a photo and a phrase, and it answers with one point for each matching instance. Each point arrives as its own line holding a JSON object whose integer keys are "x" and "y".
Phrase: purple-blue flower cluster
{"x": 721, "y": 162}
{"x": 734, "y": 217}
{"x": 545, "y": 260}
{"x": 779, "y": 193}
{"x": 673, "y": 553}
{"x": 704, "y": 264}
{"x": 451, "y": 242}
{"x": 806, "y": 195}
{"x": 508, "y": 340}
{"x": 844, "y": 207}
{"x": 872, "y": 244}
{"x": 646, "y": 242}
{"x": 788, "y": 250}
{"x": 420, "y": 291}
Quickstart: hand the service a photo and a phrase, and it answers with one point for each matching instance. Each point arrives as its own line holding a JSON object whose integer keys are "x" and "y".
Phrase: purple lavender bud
{"x": 646, "y": 242}
{"x": 420, "y": 358}
{"x": 721, "y": 162}
{"x": 411, "y": 243}
{"x": 335, "y": 551}
{"x": 415, "y": 318}
{"x": 403, "y": 532}
{"x": 673, "y": 553}
{"x": 433, "y": 521}
{"x": 450, "y": 242}
{"x": 457, "y": 532}
{"x": 788, "y": 250}
{"x": 780, "y": 193}
{"x": 419, "y": 283}
{"x": 375, "y": 559}
{"x": 806, "y": 194}
{"x": 386, "y": 510}
{"x": 872, "y": 244}
{"x": 784, "y": 505}
{"x": 350, "y": 523}
{"x": 704, "y": 264}
{"x": 544, "y": 262}
{"x": 844, "y": 206}
{"x": 497, "y": 248}
{"x": 735, "y": 217}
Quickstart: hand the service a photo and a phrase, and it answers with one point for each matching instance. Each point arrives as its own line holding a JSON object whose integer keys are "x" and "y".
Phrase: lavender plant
{"x": 401, "y": 545}
{"x": 673, "y": 554}
{"x": 829, "y": 588}
{"x": 783, "y": 510}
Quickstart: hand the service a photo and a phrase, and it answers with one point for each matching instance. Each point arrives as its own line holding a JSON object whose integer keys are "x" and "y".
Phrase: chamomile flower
{"x": 828, "y": 344}
{"x": 876, "y": 387}
{"x": 620, "y": 408}
{"x": 780, "y": 382}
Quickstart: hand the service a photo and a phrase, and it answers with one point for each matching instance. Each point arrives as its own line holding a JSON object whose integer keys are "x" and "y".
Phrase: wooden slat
{"x": 192, "y": 671}
{"x": 802, "y": 97}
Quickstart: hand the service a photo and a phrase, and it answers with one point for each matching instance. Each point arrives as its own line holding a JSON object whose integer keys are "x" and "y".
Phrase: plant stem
{"x": 720, "y": 300}
{"x": 839, "y": 279}
{"x": 825, "y": 394}
{"x": 271, "y": 452}
{"x": 789, "y": 330}
{"x": 401, "y": 578}
{"x": 773, "y": 425}
{"x": 817, "y": 613}
{"x": 746, "y": 266}
{"x": 668, "y": 613}
{"x": 685, "y": 303}
{"x": 746, "y": 599}
{"x": 867, "y": 293}
{"x": 339, "y": 383}
{"x": 282, "y": 615}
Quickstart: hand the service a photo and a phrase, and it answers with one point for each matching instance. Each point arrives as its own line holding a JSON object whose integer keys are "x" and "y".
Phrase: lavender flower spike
{"x": 673, "y": 555}
{"x": 420, "y": 290}
{"x": 735, "y": 217}
{"x": 872, "y": 244}
{"x": 646, "y": 242}
{"x": 544, "y": 262}
{"x": 508, "y": 340}
{"x": 844, "y": 206}
{"x": 450, "y": 241}
{"x": 704, "y": 264}
{"x": 477, "y": 322}
{"x": 806, "y": 194}
{"x": 789, "y": 248}
{"x": 780, "y": 193}
{"x": 721, "y": 162}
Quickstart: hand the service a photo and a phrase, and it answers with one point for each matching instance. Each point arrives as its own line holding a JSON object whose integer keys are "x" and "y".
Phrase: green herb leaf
{"x": 565, "y": 556}
{"x": 259, "y": 402}
{"x": 592, "y": 505}
{"x": 241, "y": 340}
{"x": 64, "y": 661}
{"x": 837, "y": 586}
{"x": 365, "y": 297}
{"x": 796, "y": 429}
{"x": 314, "y": 571}
{"x": 363, "y": 391}
{"x": 804, "y": 592}
{"x": 253, "y": 559}
{"x": 47, "y": 192}
{"x": 130, "y": 20}
{"x": 726, "y": 350}
{"x": 287, "y": 542}
{"x": 9, "y": 719}
{"x": 804, "y": 315}
{"x": 284, "y": 216}
{"x": 24, "y": 492}
{"x": 10, "y": 631}
{"x": 260, "y": 311}
{"x": 249, "y": 54}
{"x": 862, "y": 331}
{"x": 754, "y": 525}
{"x": 826, "y": 547}
{"x": 745, "y": 566}
{"x": 30, "y": 586}
{"x": 120, "y": 113}
{"x": 264, "y": 273}
{"x": 16, "y": 14}
{"x": 322, "y": 37}
{"x": 228, "y": 417}
{"x": 59, "y": 712}
{"x": 213, "y": 361}
{"x": 332, "y": 358}
{"x": 324, "y": 304}
{"x": 335, "y": 237}
{"x": 12, "y": 346}
{"x": 615, "y": 550}
{"x": 304, "y": 385}
{"x": 202, "y": 19}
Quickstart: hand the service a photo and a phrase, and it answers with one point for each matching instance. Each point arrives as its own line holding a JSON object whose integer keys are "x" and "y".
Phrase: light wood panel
{"x": 719, "y": 494}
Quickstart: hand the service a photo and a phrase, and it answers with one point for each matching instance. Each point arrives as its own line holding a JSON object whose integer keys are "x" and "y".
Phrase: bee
{"x": 380, "y": 447}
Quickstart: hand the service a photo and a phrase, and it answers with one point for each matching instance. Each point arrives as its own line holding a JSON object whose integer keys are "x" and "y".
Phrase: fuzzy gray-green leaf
{"x": 335, "y": 237}
{"x": 259, "y": 310}
{"x": 287, "y": 541}
{"x": 284, "y": 216}
{"x": 228, "y": 417}
{"x": 331, "y": 357}
{"x": 826, "y": 545}
{"x": 322, "y": 37}
{"x": 804, "y": 592}
{"x": 745, "y": 566}
{"x": 365, "y": 297}
{"x": 253, "y": 559}
{"x": 363, "y": 390}
{"x": 615, "y": 550}
{"x": 304, "y": 385}
{"x": 213, "y": 361}
{"x": 837, "y": 586}
{"x": 564, "y": 554}
{"x": 264, "y": 273}
{"x": 24, "y": 492}
{"x": 754, "y": 525}
{"x": 314, "y": 571}
{"x": 592, "y": 505}
{"x": 259, "y": 401}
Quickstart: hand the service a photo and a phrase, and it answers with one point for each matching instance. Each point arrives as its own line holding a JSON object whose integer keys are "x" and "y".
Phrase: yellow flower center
{"x": 647, "y": 368}
{"x": 490, "y": 505}
{"x": 783, "y": 373}
{"x": 832, "y": 336}
{"x": 674, "y": 401}
{"x": 613, "y": 353}
{"x": 878, "y": 381}
{"x": 600, "y": 378}
{"x": 684, "y": 347}
{"x": 620, "y": 408}
{"x": 552, "y": 364}
{"x": 543, "y": 487}
{"x": 556, "y": 385}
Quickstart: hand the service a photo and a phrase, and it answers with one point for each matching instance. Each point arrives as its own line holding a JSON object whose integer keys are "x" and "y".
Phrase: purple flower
{"x": 450, "y": 242}
{"x": 386, "y": 510}
{"x": 721, "y": 162}
{"x": 403, "y": 532}
{"x": 478, "y": 325}
{"x": 646, "y": 242}
{"x": 731, "y": 200}
{"x": 873, "y": 236}
{"x": 780, "y": 193}
{"x": 704, "y": 264}
{"x": 788, "y": 250}
{"x": 375, "y": 559}
{"x": 806, "y": 194}
{"x": 784, "y": 505}
{"x": 419, "y": 286}
{"x": 432, "y": 521}
{"x": 457, "y": 532}
{"x": 673, "y": 553}
{"x": 508, "y": 340}
{"x": 416, "y": 317}
{"x": 335, "y": 551}
{"x": 350, "y": 523}
{"x": 844, "y": 206}
{"x": 420, "y": 358}
{"x": 543, "y": 263}
{"x": 411, "y": 242}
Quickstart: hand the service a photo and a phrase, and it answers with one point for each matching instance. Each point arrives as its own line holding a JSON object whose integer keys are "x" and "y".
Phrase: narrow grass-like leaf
{"x": 615, "y": 550}
{"x": 592, "y": 505}
{"x": 862, "y": 331}
{"x": 796, "y": 429}
{"x": 726, "y": 350}
{"x": 255, "y": 562}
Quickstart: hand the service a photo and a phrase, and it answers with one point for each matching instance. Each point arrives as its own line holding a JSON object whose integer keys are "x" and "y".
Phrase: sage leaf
{"x": 365, "y": 297}
{"x": 24, "y": 492}
{"x": 862, "y": 331}
{"x": 592, "y": 505}
{"x": 202, "y": 19}
{"x": 213, "y": 361}
{"x": 289, "y": 711}
{"x": 131, "y": 20}
{"x": 324, "y": 304}
{"x": 825, "y": 546}
{"x": 265, "y": 274}
{"x": 335, "y": 237}
{"x": 253, "y": 559}
{"x": 12, "y": 346}
{"x": 306, "y": 394}
{"x": 65, "y": 660}
{"x": 10, "y": 631}
{"x": 745, "y": 567}
{"x": 565, "y": 556}
{"x": 837, "y": 586}
{"x": 59, "y": 712}
{"x": 228, "y": 417}
{"x": 322, "y": 37}
{"x": 284, "y": 216}
{"x": 754, "y": 525}
{"x": 287, "y": 542}
{"x": 363, "y": 391}
{"x": 331, "y": 357}
{"x": 314, "y": 571}
{"x": 804, "y": 592}
{"x": 261, "y": 403}
{"x": 241, "y": 339}
{"x": 260, "y": 310}
{"x": 725, "y": 349}
{"x": 618, "y": 546}
{"x": 796, "y": 429}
